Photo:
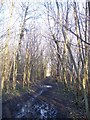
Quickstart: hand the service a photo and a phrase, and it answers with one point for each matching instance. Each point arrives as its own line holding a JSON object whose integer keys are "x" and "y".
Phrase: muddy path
{"x": 50, "y": 100}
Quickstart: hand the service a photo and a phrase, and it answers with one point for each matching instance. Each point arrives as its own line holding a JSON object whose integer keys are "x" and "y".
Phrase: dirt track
{"x": 48, "y": 101}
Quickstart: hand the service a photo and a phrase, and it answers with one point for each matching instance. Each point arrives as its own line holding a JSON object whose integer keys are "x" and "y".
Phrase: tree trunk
{"x": 89, "y": 56}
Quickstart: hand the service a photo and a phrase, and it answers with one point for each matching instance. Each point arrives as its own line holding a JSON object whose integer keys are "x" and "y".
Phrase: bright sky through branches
{"x": 17, "y": 13}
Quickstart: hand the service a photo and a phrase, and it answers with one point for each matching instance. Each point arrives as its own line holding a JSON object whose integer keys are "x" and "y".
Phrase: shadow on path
{"x": 49, "y": 101}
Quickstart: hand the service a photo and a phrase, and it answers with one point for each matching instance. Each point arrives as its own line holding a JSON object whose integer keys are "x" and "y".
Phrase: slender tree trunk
{"x": 89, "y": 56}
{"x": 85, "y": 78}
{"x": 14, "y": 71}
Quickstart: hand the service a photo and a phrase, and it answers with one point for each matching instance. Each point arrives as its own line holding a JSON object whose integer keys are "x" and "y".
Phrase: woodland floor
{"x": 46, "y": 100}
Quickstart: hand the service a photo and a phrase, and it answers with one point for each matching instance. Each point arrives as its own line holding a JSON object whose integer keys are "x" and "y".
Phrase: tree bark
{"x": 89, "y": 56}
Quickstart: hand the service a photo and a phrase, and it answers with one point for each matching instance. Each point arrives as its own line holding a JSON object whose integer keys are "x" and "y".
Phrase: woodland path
{"x": 48, "y": 100}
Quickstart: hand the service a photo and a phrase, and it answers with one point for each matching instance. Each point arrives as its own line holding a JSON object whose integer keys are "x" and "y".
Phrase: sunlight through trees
{"x": 42, "y": 39}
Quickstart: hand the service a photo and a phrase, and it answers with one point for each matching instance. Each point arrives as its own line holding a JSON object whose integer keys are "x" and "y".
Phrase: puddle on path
{"x": 34, "y": 108}
{"x": 47, "y": 86}
{"x": 37, "y": 110}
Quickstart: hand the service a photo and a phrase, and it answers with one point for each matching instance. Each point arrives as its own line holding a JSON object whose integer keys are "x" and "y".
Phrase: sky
{"x": 16, "y": 19}
{"x": 16, "y": 11}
